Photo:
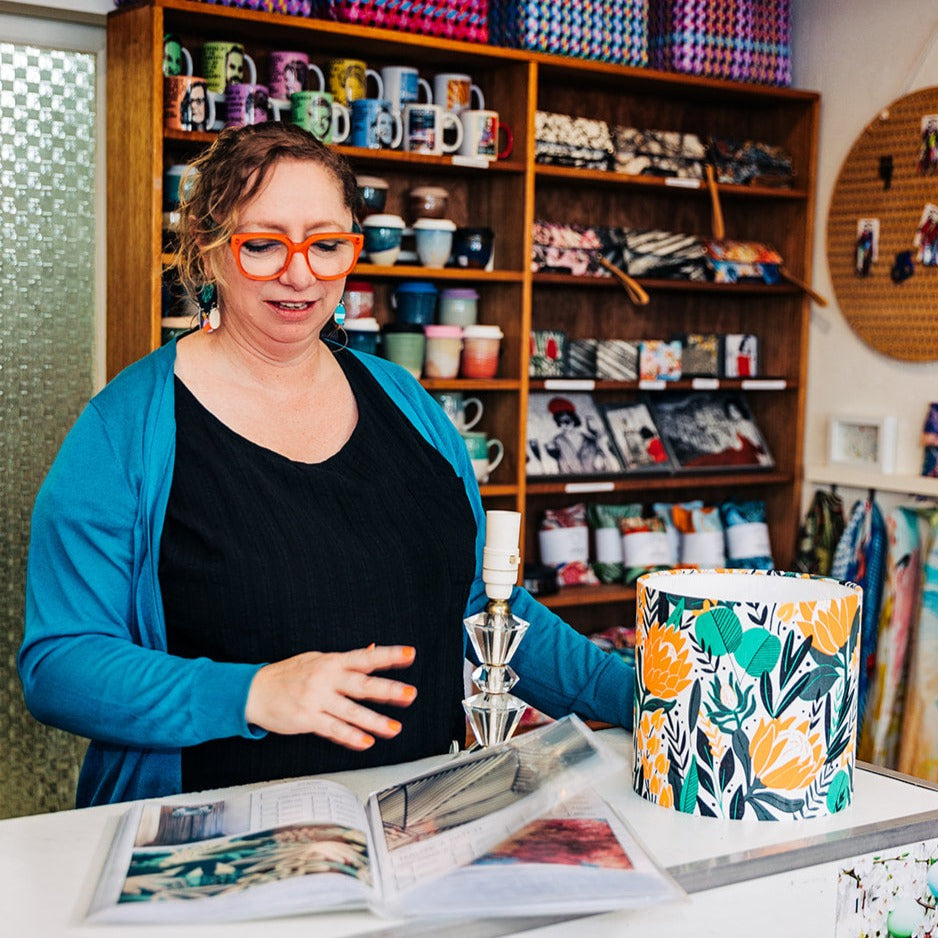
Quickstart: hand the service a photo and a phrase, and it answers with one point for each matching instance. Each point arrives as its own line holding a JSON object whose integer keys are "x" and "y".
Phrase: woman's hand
{"x": 318, "y": 693}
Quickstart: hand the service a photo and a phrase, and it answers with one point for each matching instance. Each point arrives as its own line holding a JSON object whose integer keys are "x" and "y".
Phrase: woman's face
{"x": 300, "y": 198}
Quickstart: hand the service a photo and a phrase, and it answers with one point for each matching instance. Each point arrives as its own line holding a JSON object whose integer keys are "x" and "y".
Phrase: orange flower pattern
{"x": 829, "y": 628}
{"x": 666, "y": 665}
{"x": 654, "y": 760}
{"x": 784, "y": 755}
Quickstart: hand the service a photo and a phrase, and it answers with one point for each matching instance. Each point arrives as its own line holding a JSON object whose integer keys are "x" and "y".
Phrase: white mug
{"x": 453, "y": 91}
{"x": 480, "y": 135}
{"x": 424, "y": 125}
{"x": 403, "y": 85}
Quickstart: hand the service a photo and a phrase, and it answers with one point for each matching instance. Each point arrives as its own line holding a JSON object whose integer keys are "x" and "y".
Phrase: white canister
{"x": 443, "y": 350}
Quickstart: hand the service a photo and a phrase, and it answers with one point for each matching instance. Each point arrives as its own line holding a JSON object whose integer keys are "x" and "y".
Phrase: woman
{"x": 267, "y": 571}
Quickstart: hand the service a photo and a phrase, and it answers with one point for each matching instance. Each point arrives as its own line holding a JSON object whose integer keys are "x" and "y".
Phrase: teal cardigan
{"x": 93, "y": 659}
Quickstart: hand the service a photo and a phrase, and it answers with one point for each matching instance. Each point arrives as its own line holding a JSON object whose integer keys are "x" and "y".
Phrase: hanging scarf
{"x": 820, "y": 533}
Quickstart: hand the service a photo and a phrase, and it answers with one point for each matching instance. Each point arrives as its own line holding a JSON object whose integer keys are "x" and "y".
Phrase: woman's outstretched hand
{"x": 319, "y": 693}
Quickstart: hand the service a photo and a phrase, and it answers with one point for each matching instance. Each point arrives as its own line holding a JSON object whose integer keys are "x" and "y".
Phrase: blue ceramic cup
{"x": 362, "y": 334}
{"x": 414, "y": 301}
{"x": 375, "y": 125}
{"x": 383, "y": 235}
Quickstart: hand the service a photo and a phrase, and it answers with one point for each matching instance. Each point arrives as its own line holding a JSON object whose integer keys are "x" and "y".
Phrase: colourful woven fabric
{"x": 466, "y": 20}
{"x": 604, "y": 30}
{"x": 742, "y": 40}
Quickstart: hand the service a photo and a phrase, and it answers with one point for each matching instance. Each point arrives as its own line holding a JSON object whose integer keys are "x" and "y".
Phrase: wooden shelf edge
{"x": 642, "y": 482}
{"x": 761, "y": 384}
{"x": 670, "y": 286}
{"x": 605, "y": 593}
{"x": 853, "y": 477}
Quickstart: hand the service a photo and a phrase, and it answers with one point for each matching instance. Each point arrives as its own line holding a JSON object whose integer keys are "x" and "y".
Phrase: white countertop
{"x": 49, "y": 865}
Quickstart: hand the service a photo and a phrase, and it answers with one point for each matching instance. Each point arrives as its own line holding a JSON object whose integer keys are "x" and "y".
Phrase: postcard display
{"x": 746, "y": 693}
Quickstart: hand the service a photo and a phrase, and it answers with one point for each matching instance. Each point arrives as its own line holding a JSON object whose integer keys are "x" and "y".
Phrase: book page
{"x": 288, "y": 847}
{"x": 579, "y": 858}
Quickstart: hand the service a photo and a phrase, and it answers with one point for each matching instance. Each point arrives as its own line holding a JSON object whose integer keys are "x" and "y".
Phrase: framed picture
{"x": 567, "y": 437}
{"x": 864, "y": 442}
{"x": 710, "y": 430}
{"x": 636, "y": 437}
{"x": 740, "y": 355}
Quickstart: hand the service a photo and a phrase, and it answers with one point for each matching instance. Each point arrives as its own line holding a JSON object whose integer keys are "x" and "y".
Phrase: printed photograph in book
{"x": 710, "y": 430}
{"x": 567, "y": 437}
{"x": 636, "y": 437}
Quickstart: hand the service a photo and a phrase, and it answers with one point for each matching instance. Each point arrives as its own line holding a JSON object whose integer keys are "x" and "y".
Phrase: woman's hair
{"x": 228, "y": 175}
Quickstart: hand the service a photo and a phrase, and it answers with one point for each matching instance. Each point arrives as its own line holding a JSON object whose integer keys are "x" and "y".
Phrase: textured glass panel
{"x": 47, "y": 276}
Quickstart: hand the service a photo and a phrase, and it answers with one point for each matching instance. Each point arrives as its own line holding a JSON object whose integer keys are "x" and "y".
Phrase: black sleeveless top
{"x": 263, "y": 558}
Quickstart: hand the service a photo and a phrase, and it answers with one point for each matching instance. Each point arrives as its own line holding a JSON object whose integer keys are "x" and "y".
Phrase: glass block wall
{"x": 47, "y": 334}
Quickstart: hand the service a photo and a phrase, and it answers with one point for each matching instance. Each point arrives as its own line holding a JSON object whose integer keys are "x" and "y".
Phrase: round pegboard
{"x": 896, "y": 319}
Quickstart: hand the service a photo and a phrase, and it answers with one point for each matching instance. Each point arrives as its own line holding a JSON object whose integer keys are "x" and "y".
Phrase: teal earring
{"x": 339, "y": 314}
{"x": 209, "y": 316}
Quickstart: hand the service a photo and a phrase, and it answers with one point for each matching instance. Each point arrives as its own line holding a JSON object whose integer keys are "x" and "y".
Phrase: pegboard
{"x": 897, "y": 319}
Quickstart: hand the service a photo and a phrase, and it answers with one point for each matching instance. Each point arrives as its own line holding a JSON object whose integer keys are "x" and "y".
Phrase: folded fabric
{"x": 607, "y": 538}
{"x": 572, "y": 141}
{"x": 701, "y": 533}
{"x": 749, "y": 162}
{"x": 658, "y": 153}
{"x": 664, "y": 255}
{"x": 747, "y": 535}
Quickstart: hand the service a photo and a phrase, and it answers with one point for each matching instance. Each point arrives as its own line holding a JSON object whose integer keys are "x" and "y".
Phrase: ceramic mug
{"x": 403, "y": 85}
{"x": 453, "y": 91}
{"x": 223, "y": 64}
{"x": 187, "y": 103}
{"x": 317, "y": 112}
{"x": 457, "y": 407}
{"x": 424, "y": 126}
{"x": 288, "y": 72}
{"x": 375, "y": 125}
{"x": 480, "y": 449}
{"x": 444, "y": 344}
{"x": 247, "y": 104}
{"x": 480, "y": 135}
{"x": 176, "y": 57}
{"x": 348, "y": 80}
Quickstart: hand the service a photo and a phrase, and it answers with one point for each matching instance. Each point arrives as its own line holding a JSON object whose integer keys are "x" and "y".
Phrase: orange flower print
{"x": 666, "y": 667}
{"x": 785, "y": 756}
{"x": 715, "y": 740}
{"x": 830, "y": 628}
{"x": 655, "y": 763}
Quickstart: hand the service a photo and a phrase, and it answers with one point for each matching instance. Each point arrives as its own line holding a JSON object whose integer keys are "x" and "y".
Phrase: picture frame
{"x": 740, "y": 355}
{"x": 862, "y": 442}
{"x": 567, "y": 436}
{"x": 710, "y": 430}
{"x": 636, "y": 438}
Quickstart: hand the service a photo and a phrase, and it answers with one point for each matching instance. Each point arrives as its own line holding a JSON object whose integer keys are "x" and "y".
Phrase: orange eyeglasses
{"x": 330, "y": 255}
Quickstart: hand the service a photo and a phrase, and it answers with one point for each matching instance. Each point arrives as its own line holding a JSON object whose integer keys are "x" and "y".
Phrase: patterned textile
{"x": 879, "y": 740}
{"x": 743, "y": 40}
{"x": 606, "y": 30}
{"x": 747, "y": 535}
{"x": 748, "y": 162}
{"x": 466, "y": 20}
{"x": 658, "y": 153}
{"x": 820, "y": 533}
{"x": 562, "y": 140}
{"x": 860, "y": 558}
{"x": 918, "y": 752}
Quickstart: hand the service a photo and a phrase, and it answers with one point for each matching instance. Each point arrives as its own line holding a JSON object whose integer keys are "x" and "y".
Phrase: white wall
{"x": 859, "y": 54}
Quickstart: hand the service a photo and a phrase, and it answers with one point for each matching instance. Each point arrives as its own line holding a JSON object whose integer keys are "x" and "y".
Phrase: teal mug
{"x": 481, "y": 449}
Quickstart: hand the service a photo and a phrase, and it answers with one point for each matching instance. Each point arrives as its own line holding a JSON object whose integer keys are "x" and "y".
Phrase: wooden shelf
{"x": 764, "y": 383}
{"x": 852, "y": 477}
{"x": 667, "y": 286}
{"x": 648, "y": 481}
{"x": 600, "y": 595}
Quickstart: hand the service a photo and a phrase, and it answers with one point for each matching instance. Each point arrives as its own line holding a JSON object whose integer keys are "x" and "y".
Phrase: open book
{"x": 517, "y": 824}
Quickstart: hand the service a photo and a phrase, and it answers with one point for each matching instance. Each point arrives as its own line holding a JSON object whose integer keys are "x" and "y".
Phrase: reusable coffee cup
{"x": 247, "y": 104}
{"x": 289, "y": 71}
{"x": 456, "y": 406}
{"x": 348, "y": 79}
{"x": 434, "y": 240}
{"x": 358, "y": 299}
{"x": 176, "y": 57}
{"x": 404, "y": 343}
{"x": 458, "y": 306}
{"x": 424, "y": 125}
{"x": 362, "y": 334}
{"x": 414, "y": 301}
{"x": 383, "y": 235}
{"x": 403, "y": 85}
{"x": 444, "y": 344}
{"x": 481, "y": 346}
{"x": 480, "y": 135}
{"x": 453, "y": 91}
{"x": 324, "y": 118}
{"x": 480, "y": 449}
{"x": 187, "y": 103}
{"x": 224, "y": 63}
{"x": 375, "y": 126}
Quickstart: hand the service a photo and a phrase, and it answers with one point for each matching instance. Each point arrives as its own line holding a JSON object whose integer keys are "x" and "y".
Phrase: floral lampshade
{"x": 746, "y": 693}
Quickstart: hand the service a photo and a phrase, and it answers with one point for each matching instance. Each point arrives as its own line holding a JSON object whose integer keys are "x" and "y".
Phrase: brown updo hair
{"x": 228, "y": 175}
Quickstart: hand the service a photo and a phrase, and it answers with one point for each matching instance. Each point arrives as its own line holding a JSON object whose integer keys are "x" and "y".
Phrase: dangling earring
{"x": 209, "y": 316}
{"x": 339, "y": 314}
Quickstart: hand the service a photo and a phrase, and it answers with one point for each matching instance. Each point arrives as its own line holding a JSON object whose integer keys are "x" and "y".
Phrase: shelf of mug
{"x": 642, "y": 481}
{"x": 447, "y": 163}
{"x": 498, "y": 491}
{"x": 602, "y": 594}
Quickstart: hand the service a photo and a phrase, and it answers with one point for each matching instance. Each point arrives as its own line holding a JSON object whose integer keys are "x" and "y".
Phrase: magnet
{"x": 885, "y": 170}
{"x": 903, "y": 267}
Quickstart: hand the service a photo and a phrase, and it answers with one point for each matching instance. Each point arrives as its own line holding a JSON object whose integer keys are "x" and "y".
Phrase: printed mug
{"x": 174, "y": 55}
{"x": 457, "y": 408}
{"x": 289, "y": 71}
{"x": 453, "y": 91}
{"x": 248, "y": 104}
{"x": 187, "y": 103}
{"x": 224, "y": 64}
{"x": 402, "y": 86}
{"x": 480, "y": 135}
{"x": 424, "y": 126}
{"x": 348, "y": 80}
{"x": 480, "y": 449}
{"x": 324, "y": 118}
{"x": 375, "y": 125}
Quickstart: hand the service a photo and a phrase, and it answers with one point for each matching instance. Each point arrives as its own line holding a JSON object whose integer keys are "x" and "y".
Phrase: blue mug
{"x": 375, "y": 125}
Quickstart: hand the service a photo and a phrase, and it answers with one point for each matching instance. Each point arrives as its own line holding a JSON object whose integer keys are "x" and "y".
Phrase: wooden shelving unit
{"x": 508, "y": 196}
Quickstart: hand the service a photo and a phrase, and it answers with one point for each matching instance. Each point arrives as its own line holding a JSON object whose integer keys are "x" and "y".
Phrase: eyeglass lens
{"x": 265, "y": 257}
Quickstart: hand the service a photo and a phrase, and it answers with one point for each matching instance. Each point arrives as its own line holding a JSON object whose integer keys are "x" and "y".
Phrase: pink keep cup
{"x": 481, "y": 345}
